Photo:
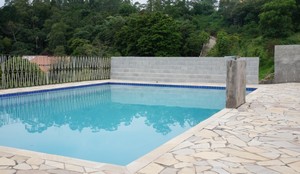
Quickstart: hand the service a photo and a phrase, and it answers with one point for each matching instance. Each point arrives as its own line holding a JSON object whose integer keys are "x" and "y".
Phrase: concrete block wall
{"x": 177, "y": 69}
{"x": 287, "y": 63}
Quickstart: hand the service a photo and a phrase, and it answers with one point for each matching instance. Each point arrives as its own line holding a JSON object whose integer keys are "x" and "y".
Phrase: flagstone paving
{"x": 261, "y": 136}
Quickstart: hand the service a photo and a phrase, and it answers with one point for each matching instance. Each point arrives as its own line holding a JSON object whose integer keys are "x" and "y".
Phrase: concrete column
{"x": 235, "y": 83}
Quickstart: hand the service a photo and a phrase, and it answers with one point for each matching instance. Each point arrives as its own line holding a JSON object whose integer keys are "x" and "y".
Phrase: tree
{"x": 276, "y": 18}
{"x": 6, "y": 45}
{"x": 226, "y": 45}
{"x": 82, "y": 47}
{"x": 149, "y": 34}
{"x": 57, "y": 37}
{"x": 205, "y": 7}
{"x": 126, "y": 9}
{"x": 195, "y": 43}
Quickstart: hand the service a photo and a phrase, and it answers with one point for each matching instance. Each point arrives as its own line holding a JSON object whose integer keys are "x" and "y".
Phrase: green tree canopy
{"x": 276, "y": 18}
{"x": 149, "y": 34}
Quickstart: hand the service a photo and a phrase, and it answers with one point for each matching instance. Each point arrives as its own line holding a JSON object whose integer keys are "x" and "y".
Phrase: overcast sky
{"x": 141, "y": 1}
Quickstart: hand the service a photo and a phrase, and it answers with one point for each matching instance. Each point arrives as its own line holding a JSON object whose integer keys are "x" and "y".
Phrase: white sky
{"x": 141, "y": 1}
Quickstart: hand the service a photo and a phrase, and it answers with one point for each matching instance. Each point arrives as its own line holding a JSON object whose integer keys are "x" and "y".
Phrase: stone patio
{"x": 261, "y": 136}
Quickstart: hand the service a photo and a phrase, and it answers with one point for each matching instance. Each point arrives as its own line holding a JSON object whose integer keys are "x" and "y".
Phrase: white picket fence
{"x": 23, "y": 71}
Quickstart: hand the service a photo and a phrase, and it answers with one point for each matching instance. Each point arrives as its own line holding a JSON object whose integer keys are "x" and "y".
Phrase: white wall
{"x": 287, "y": 63}
{"x": 177, "y": 69}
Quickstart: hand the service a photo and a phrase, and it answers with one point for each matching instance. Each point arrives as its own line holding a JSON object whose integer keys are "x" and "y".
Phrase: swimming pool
{"x": 111, "y": 123}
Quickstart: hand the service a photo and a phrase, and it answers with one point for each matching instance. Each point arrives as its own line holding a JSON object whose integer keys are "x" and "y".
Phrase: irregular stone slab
{"x": 201, "y": 163}
{"x": 74, "y": 168}
{"x": 8, "y": 171}
{"x": 237, "y": 142}
{"x": 238, "y": 160}
{"x": 200, "y": 169}
{"x": 271, "y": 163}
{"x": 23, "y": 166}
{"x": 220, "y": 170}
{"x": 260, "y": 169}
{"x": 35, "y": 161}
{"x": 270, "y": 155}
{"x": 4, "y": 154}
{"x": 222, "y": 133}
{"x": 7, "y": 162}
{"x": 210, "y": 172}
{"x": 20, "y": 158}
{"x": 98, "y": 172}
{"x": 187, "y": 171}
{"x": 289, "y": 160}
{"x": 209, "y": 155}
{"x": 201, "y": 146}
{"x": 89, "y": 170}
{"x": 169, "y": 171}
{"x": 113, "y": 169}
{"x": 184, "y": 152}
{"x": 283, "y": 169}
{"x": 183, "y": 145}
{"x": 217, "y": 145}
{"x": 167, "y": 159}
{"x": 242, "y": 154}
{"x": 183, "y": 164}
{"x": 206, "y": 134}
{"x": 215, "y": 163}
{"x": 295, "y": 166}
{"x": 152, "y": 169}
{"x": 211, "y": 126}
{"x": 254, "y": 150}
{"x": 236, "y": 170}
{"x": 283, "y": 144}
{"x": 31, "y": 172}
{"x": 59, "y": 171}
{"x": 35, "y": 167}
{"x": 185, "y": 158}
{"x": 45, "y": 167}
{"x": 290, "y": 152}
{"x": 54, "y": 164}
{"x": 230, "y": 164}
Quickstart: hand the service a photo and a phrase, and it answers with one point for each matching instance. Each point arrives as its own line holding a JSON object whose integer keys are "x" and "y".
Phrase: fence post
{"x": 47, "y": 77}
{"x": 73, "y": 69}
{"x": 235, "y": 83}
{"x": 2, "y": 74}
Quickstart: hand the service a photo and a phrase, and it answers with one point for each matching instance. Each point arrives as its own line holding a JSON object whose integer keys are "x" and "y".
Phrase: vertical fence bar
{"x": 18, "y": 71}
{"x": 2, "y": 72}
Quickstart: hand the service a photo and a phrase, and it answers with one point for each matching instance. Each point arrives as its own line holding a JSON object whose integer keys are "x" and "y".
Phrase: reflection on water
{"x": 93, "y": 108}
{"x": 102, "y": 111}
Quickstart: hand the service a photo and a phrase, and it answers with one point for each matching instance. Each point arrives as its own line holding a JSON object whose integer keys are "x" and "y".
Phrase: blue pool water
{"x": 107, "y": 123}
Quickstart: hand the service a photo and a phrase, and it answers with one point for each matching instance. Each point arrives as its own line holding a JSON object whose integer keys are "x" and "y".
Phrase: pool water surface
{"x": 107, "y": 123}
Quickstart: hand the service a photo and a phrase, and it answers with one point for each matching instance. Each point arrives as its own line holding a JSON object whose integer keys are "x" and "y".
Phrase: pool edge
{"x": 138, "y": 163}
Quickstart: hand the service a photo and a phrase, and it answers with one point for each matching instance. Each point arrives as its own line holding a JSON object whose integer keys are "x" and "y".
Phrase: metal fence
{"x": 23, "y": 71}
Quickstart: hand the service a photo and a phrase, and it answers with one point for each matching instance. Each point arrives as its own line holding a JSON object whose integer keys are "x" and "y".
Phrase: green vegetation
{"x": 17, "y": 72}
{"x": 159, "y": 28}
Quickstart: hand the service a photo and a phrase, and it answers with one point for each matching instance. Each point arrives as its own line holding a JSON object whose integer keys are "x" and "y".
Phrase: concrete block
{"x": 174, "y": 69}
{"x": 235, "y": 83}
{"x": 287, "y": 63}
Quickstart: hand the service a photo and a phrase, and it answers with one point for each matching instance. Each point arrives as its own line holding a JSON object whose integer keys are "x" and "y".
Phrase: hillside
{"x": 159, "y": 28}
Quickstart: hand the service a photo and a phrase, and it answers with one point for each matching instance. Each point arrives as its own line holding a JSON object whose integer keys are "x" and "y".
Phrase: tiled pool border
{"x": 138, "y": 163}
{"x": 250, "y": 89}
